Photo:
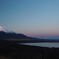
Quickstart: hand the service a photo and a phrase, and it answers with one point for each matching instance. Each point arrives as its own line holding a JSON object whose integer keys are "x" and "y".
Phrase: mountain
{"x": 8, "y": 34}
{"x": 4, "y": 29}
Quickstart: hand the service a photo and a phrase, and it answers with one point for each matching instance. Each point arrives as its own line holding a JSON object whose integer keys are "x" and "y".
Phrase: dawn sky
{"x": 36, "y": 18}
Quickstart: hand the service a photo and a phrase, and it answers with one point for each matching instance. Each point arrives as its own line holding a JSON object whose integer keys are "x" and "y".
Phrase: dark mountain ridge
{"x": 4, "y": 35}
{"x": 7, "y": 35}
{"x": 20, "y": 38}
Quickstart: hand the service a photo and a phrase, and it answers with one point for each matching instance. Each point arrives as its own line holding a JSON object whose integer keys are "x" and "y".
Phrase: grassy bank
{"x": 15, "y": 51}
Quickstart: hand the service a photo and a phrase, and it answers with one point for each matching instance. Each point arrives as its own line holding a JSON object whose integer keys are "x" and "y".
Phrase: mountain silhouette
{"x": 7, "y": 34}
{"x": 4, "y": 35}
{"x": 10, "y": 36}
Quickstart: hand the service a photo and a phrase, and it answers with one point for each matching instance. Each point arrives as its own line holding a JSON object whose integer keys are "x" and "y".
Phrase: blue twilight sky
{"x": 36, "y": 18}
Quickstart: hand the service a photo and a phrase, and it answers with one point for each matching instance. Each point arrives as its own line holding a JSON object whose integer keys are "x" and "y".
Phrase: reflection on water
{"x": 42, "y": 44}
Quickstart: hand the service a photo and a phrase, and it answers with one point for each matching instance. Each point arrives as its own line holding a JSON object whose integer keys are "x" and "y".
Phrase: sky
{"x": 35, "y": 18}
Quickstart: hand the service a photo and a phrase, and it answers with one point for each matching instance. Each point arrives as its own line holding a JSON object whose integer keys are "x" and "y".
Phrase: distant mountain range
{"x": 10, "y": 36}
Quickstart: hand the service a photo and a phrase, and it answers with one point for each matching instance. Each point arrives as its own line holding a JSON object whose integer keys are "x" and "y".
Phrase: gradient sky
{"x": 36, "y": 18}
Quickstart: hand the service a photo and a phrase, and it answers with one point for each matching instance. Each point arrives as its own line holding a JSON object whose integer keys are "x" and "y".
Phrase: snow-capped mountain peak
{"x": 5, "y": 29}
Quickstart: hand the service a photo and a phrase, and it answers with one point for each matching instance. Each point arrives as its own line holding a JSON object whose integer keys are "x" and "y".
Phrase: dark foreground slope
{"x": 15, "y": 51}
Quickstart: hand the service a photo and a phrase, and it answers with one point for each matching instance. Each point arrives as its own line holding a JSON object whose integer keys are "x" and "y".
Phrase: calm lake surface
{"x": 56, "y": 45}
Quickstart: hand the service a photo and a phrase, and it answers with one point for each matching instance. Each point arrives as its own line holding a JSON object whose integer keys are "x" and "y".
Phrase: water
{"x": 56, "y": 45}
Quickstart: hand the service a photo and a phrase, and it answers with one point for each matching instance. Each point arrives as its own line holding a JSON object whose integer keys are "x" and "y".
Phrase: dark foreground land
{"x": 15, "y": 51}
